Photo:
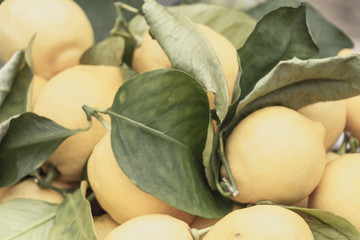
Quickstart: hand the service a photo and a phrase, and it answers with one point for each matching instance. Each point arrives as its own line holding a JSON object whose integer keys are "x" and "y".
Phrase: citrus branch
{"x": 93, "y": 112}
{"x": 198, "y": 233}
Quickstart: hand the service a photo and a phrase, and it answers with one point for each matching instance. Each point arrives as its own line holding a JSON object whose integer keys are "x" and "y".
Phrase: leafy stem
{"x": 227, "y": 185}
{"x": 90, "y": 112}
{"x": 350, "y": 144}
{"x": 121, "y": 25}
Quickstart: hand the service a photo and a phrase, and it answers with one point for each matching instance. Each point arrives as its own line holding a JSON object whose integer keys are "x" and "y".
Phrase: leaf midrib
{"x": 152, "y": 130}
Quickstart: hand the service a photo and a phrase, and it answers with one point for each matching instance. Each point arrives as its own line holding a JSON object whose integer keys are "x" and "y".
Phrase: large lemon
{"x": 61, "y": 100}
{"x": 152, "y": 227}
{"x": 265, "y": 222}
{"x": 63, "y": 33}
{"x": 117, "y": 194}
{"x": 276, "y": 154}
{"x": 332, "y": 114}
{"x": 150, "y": 56}
{"x": 338, "y": 191}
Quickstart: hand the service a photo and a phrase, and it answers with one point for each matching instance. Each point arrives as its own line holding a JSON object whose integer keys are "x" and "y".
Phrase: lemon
{"x": 332, "y": 114}
{"x": 28, "y": 188}
{"x": 37, "y": 83}
{"x": 61, "y": 100}
{"x": 275, "y": 154}
{"x": 353, "y": 116}
{"x": 115, "y": 192}
{"x": 63, "y": 33}
{"x": 152, "y": 227}
{"x": 263, "y": 222}
{"x": 345, "y": 51}
{"x": 150, "y": 56}
{"x": 338, "y": 191}
{"x": 103, "y": 225}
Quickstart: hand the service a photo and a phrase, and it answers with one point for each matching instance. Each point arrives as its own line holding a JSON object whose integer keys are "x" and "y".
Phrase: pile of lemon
{"x": 276, "y": 154}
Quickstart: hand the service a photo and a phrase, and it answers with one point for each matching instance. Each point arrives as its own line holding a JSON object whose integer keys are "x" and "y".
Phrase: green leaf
{"x": 27, "y": 144}
{"x": 296, "y": 83}
{"x": 327, "y": 36}
{"x": 329, "y": 225}
{"x": 8, "y": 74}
{"x": 21, "y": 75}
{"x": 159, "y": 125}
{"x": 73, "y": 217}
{"x": 102, "y": 15}
{"x": 280, "y": 35}
{"x": 26, "y": 219}
{"x": 188, "y": 50}
{"x": 106, "y": 52}
{"x": 238, "y": 25}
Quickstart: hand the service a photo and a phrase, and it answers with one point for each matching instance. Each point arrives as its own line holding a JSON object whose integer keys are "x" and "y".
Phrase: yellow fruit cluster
{"x": 275, "y": 154}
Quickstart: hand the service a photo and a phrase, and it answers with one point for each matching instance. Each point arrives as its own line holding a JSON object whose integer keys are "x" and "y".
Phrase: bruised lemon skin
{"x": 150, "y": 56}
{"x": 338, "y": 191}
{"x": 62, "y": 99}
{"x": 117, "y": 194}
{"x": 275, "y": 154}
{"x": 63, "y": 33}
{"x": 332, "y": 114}
{"x": 152, "y": 227}
{"x": 268, "y": 222}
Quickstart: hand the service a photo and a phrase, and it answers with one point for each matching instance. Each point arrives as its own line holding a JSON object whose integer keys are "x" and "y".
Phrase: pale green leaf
{"x": 26, "y": 219}
{"x": 73, "y": 217}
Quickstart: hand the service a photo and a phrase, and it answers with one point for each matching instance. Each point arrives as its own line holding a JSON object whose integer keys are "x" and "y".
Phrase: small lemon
{"x": 338, "y": 191}
{"x": 261, "y": 222}
{"x": 28, "y": 188}
{"x": 61, "y": 100}
{"x": 152, "y": 227}
{"x": 353, "y": 116}
{"x": 63, "y": 33}
{"x": 275, "y": 154}
{"x": 115, "y": 192}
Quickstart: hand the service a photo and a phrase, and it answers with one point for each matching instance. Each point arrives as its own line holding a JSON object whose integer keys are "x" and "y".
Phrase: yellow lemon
{"x": 61, "y": 100}
{"x": 338, "y": 191}
{"x": 263, "y": 222}
{"x": 115, "y": 192}
{"x": 37, "y": 84}
{"x": 275, "y": 154}
{"x": 28, "y": 188}
{"x": 152, "y": 227}
{"x": 332, "y": 114}
{"x": 150, "y": 56}
{"x": 63, "y": 33}
{"x": 103, "y": 225}
{"x": 345, "y": 51}
{"x": 353, "y": 116}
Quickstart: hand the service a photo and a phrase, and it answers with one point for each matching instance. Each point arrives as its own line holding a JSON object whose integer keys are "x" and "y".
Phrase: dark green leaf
{"x": 327, "y": 36}
{"x": 159, "y": 125}
{"x": 27, "y": 144}
{"x": 188, "y": 50}
{"x": 330, "y": 226}
{"x": 102, "y": 14}
{"x": 26, "y": 219}
{"x": 296, "y": 83}
{"x": 280, "y": 35}
{"x": 16, "y": 100}
{"x": 106, "y": 52}
{"x": 73, "y": 217}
